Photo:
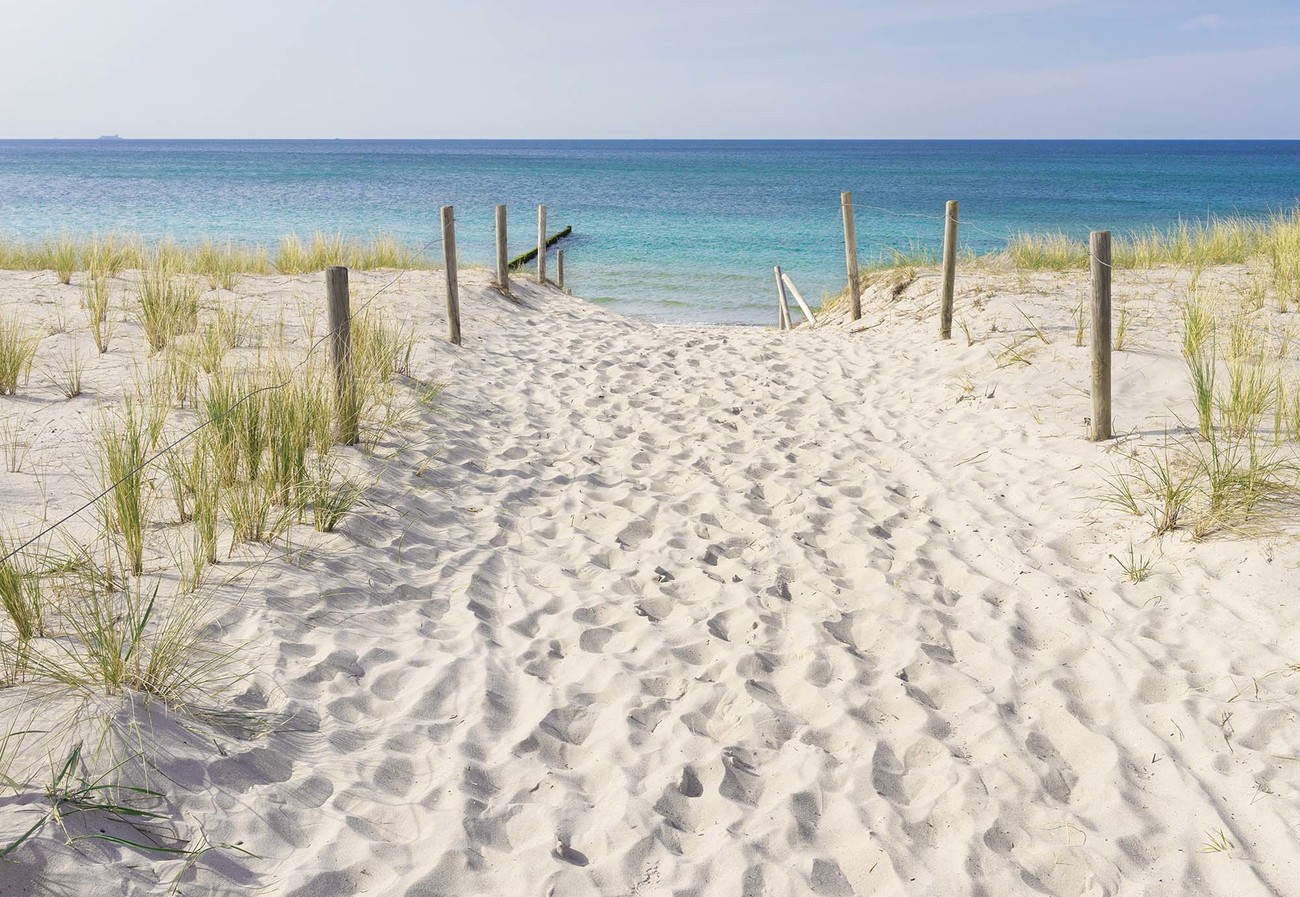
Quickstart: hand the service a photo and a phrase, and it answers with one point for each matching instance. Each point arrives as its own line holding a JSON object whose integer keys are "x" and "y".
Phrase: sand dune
{"x": 720, "y": 610}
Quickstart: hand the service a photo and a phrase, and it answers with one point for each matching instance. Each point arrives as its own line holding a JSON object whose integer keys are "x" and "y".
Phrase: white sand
{"x": 720, "y": 610}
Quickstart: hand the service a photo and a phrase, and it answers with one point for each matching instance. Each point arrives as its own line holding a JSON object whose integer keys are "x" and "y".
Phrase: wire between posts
{"x": 169, "y": 447}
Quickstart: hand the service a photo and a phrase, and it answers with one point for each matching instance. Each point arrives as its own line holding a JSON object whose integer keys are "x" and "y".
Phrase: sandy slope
{"x": 697, "y": 611}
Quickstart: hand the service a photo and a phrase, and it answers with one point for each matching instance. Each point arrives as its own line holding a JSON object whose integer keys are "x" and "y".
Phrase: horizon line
{"x": 114, "y": 138}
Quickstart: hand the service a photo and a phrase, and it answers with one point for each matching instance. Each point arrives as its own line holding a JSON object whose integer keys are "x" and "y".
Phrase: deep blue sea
{"x": 680, "y": 230}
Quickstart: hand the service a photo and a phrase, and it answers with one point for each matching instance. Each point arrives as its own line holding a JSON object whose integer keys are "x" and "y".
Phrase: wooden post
{"x": 798, "y": 297}
{"x": 780, "y": 315}
{"x": 503, "y": 268}
{"x": 541, "y": 244}
{"x": 1100, "y": 340}
{"x": 340, "y": 324}
{"x": 949, "y": 269}
{"x": 783, "y": 307}
{"x": 851, "y": 256}
{"x": 453, "y": 288}
{"x": 559, "y": 268}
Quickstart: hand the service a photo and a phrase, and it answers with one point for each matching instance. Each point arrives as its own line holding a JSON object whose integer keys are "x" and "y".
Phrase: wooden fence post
{"x": 449, "y": 261}
{"x": 503, "y": 268}
{"x": 1100, "y": 338}
{"x": 782, "y": 306}
{"x": 559, "y": 268}
{"x": 541, "y": 244}
{"x": 949, "y": 269}
{"x": 798, "y": 297}
{"x": 340, "y": 324}
{"x": 851, "y": 256}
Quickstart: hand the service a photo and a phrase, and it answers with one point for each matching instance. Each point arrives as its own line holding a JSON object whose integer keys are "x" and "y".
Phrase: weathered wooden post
{"x": 340, "y": 324}
{"x": 503, "y": 267}
{"x": 851, "y": 256}
{"x": 1100, "y": 340}
{"x": 782, "y": 306}
{"x": 449, "y": 261}
{"x": 949, "y": 269}
{"x": 559, "y": 268}
{"x": 541, "y": 244}
{"x": 798, "y": 297}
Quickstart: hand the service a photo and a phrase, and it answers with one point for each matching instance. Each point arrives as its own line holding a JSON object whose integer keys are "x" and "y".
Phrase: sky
{"x": 653, "y": 69}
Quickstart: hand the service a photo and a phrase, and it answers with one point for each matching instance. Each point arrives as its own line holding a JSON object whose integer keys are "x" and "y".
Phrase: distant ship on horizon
{"x": 109, "y": 137}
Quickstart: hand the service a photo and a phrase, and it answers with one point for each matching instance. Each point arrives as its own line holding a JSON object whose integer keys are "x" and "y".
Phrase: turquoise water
{"x": 681, "y": 230}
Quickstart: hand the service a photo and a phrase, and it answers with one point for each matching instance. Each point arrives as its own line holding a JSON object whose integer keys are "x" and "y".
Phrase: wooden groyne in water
{"x": 531, "y": 254}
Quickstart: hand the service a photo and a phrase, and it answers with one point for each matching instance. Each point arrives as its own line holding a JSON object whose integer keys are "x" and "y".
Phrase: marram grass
{"x": 1196, "y": 245}
{"x": 1238, "y": 471}
{"x": 117, "y": 615}
{"x": 219, "y": 263}
{"x": 18, "y": 345}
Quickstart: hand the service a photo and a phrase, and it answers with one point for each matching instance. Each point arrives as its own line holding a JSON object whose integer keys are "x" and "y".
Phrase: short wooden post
{"x": 449, "y": 261}
{"x": 340, "y": 337}
{"x": 851, "y": 256}
{"x": 782, "y": 306}
{"x": 559, "y": 268}
{"x": 541, "y": 244}
{"x": 798, "y": 297}
{"x": 1100, "y": 339}
{"x": 949, "y": 269}
{"x": 503, "y": 267}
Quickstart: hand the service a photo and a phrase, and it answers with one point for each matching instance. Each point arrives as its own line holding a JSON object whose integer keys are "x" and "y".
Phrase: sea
{"x": 667, "y": 229}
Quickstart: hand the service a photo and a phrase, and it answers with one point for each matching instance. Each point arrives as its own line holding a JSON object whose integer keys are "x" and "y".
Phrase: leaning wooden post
{"x": 559, "y": 268}
{"x": 851, "y": 256}
{"x": 1100, "y": 339}
{"x": 541, "y": 244}
{"x": 449, "y": 262}
{"x": 503, "y": 266}
{"x": 340, "y": 324}
{"x": 949, "y": 269}
{"x": 798, "y": 297}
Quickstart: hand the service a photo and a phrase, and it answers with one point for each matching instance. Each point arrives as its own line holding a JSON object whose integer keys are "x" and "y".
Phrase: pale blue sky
{"x": 672, "y": 68}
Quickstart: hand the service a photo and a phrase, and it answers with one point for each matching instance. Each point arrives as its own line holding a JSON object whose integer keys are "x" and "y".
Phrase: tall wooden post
{"x": 503, "y": 265}
{"x": 541, "y": 244}
{"x": 559, "y": 268}
{"x": 949, "y": 269}
{"x": 1100, "y": 339}
{"x": 453, "y": 286}
{"x": 340, "y": 338}
{"x": 851, "y": 256}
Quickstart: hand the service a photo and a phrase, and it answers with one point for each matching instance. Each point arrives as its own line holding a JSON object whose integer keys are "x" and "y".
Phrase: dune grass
{"x": 67, "y": 377}
{"x": 1195, "y": 245}
{"x": 294, "y": 256}
{"x": 20, "y": 592}
{"x": 124, "y": 447}
{"x": 131, "y": 608}
{"x": 167, "y": 300}
{"x": 221, "y": 263}
{"x": 915, "y": 256}
{"x": 63, "y": 255}
{"x": 95, "y": 294}
{"x": 18, "y": 345}
{"x": 1238, "y": 470}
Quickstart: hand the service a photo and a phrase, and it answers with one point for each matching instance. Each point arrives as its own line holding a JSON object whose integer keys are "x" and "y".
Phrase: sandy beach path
{"x": 719, "y": 610}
